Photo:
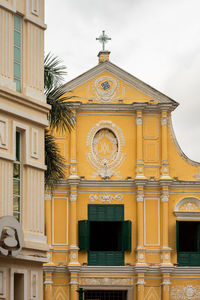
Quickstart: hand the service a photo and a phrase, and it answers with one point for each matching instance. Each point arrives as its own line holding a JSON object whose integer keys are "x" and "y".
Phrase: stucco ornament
{"x": 188, "y": 292}
{"x": 11, "y": 236}
{"x": 105, "y": 198}
{"x": 105, "y": 141}
{"x": 105, "y": 89}
{"x": 98, "y": 281}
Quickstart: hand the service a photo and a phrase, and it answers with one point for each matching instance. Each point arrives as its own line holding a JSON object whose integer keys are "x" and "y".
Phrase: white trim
{"x": 185, "y": 200}
{"x": 3, "y": 290}
{"x": 145, "y": 244}
{"x": 8, "y": 7}
{"x": 35, "y": 12}
{"x": 24, "y": 115}
{"x": 124, "y": 76}
{"x": 34, "y": 143}
{"x": 187, "y": 214}
{"x": 24, "y": 129}
{"x": 34, "y": 297}
{"x": 3, "y": 133}
{"x": 52, "y": 221}
{"x": 18, "y": 271}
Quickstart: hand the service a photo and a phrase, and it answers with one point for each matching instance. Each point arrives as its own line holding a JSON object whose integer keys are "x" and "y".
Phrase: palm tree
{"x": 60, "y": 117}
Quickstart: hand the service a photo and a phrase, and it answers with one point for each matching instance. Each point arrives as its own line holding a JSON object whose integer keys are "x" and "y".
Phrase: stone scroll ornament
{"x": 11, "y": 236}
{"x": 105, "y": 141}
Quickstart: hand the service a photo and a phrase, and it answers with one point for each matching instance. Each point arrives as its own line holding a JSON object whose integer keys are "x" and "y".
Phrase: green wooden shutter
{"x": 126, "y": 236}
{"x": 177, "y": 236}
{"x": 102, "y": 212}
{"x": 84, "y": 234}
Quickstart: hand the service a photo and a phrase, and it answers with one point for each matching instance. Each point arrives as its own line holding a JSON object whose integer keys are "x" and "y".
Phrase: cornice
{"x": 129, "y": 183}
{"x": 122, "y": 107}
{"x": 122, "y": 270}
{"x": 24, "y": 100}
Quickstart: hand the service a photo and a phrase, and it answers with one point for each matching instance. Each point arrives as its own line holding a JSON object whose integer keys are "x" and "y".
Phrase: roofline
{"x": 122, "y": 74}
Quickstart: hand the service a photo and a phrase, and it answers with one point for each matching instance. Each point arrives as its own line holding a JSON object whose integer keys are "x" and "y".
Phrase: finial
{"x": 103, "y": 39}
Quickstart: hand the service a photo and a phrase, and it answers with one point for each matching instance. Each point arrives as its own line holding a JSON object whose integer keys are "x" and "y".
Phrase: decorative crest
{"x": 103, "y": 39}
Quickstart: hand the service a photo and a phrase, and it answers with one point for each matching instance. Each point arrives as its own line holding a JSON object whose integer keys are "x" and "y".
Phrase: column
{"x": 139, "y": 153}
{"x": 165, "y": 286}
{"x": 164, "y": 143}
{"x": 73, "y": 162}
{"x": 140, "y": 287}
{"x": 166, "y": 251}
{"x": 48, "y": 286}
{"x": 73, "y": 247}
{"x": 74, "y": 286}
{"x": 140, "y": 226}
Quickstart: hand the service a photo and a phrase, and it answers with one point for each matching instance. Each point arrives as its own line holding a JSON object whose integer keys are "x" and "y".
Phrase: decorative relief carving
{"x": 105, "y": 198}
{"x": 34, "y": 143}
{"x": 187, "y": 204}
{"x": 60, "y": 292}
{"x": 103, "y": 281}
{"x": 139, "y": 121}
{"x": 188, "y": 292}
{"x": 105, "y": 141}
{"x": 105, "y": 89}
{"x": 164, "y": 121}
{"x": 140, "y": 197}
{"x": 164, "y": 198}
{"x": 11, "y": 236}
{"x": 3, "y": 133}
{"x": 73, "y": 197}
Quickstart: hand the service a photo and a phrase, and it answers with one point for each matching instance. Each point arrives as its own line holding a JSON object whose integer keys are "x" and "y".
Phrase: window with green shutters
{"x": 105, "y": 235}
{"x": 188, "y": 243}
{"x": 17, "y": 51}
{"x": 17, "y": 179}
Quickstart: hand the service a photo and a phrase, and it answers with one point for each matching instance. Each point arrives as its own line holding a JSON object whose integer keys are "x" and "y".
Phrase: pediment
{"x": 188, "y": 207}
{"x": 107, "y": 83}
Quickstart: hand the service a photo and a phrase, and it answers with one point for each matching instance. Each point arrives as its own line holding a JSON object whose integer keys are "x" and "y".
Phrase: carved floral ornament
{"x": 188, "y": 292}
{"x": 105, "y": 141}
{"x": 105, "y": 89}
{"x": 187, "y": 207}
{"x": 103, "y": 281}
{"x": 105, "y": 198}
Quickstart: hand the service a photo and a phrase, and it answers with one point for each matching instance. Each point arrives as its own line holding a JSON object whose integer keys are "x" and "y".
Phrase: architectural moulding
{"x": 188, "y": 208}
{"x": 105, "y": 89}
{"x": 18, "y": 271}
{"x": 3, "y": 277}
{"x": 3, "y": 133}
{"x": 185, "y": 292}
{"x": 105, "y": 156}
{"x": 124, "y": 76}
{"x": 105, "y": 197}
{"x": 11, "y": 236}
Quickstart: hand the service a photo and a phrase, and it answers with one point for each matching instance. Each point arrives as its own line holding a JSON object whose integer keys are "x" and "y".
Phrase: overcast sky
{"x": 155, "y": 40}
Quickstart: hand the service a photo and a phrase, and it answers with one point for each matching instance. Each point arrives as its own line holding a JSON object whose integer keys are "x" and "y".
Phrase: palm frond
{"x": 53, "y": 160}
{"x": 60, "y": 116}
{"x": 54, "y": 71}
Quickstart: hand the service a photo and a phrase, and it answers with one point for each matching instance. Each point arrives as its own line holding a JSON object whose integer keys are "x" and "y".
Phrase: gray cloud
{"x": 157, "y": 41}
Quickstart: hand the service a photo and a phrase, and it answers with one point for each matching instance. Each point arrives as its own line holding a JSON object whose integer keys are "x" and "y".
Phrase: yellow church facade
{"x": 125, "y": 222}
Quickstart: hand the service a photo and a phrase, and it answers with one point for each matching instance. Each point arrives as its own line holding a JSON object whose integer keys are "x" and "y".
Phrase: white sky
{"x": 157, "y": 41}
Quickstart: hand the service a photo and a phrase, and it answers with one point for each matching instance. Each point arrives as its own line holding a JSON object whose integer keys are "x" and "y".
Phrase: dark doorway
{"x": 105, "y": 295}
{"x": 105, "y": 236}
{"x": 188, "y": 243}
{"x": 189, "y": 236}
